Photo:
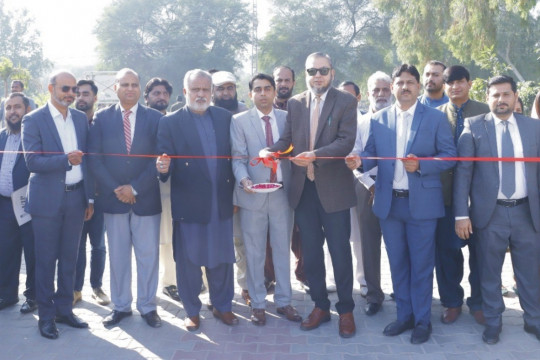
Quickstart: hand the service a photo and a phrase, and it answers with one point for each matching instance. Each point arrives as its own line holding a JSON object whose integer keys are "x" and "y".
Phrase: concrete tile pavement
{"x": 278, "y": 340}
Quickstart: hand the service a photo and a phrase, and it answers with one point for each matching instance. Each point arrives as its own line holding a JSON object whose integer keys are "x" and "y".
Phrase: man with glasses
{"x": 60, "y": 198}
{"x": 321, "y": 124}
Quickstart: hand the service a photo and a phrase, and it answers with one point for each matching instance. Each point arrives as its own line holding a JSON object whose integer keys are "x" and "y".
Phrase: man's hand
{"x": 247, "y": 184}
{"x": 75, "y": 157}
{"x": 265, "y": 154}
{"x": 304, "y": 159}
{"x": 353, "y": 161}
{"x": 162, "y": 164}
{"x": 411, "y": 165}
{"x": 89, "y": 212}
{"x": 124, "y": 193}
{"x": 464, "y": 228}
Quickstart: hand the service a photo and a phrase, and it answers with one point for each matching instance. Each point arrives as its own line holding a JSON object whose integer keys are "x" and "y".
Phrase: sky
{"x": 66, "y": 27}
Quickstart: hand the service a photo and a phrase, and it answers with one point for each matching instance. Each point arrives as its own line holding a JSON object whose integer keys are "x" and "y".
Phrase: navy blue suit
{"x": 13, "y": 238}
{"x": 408, "y": 224}
{"x": 57, "y": 213}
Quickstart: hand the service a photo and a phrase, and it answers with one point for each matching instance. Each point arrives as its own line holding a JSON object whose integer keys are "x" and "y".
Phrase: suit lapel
{"x": 392, "y": 126}
{"x": 329, "y": 103}
{"x": 118, "y": 127}
{"x": 52, "y": 126}
{"x": 3, "y": 141}
{"x": 257, "y": 127}
{"x": 194, "y": 141}
{"x": 492, "y": 137}
{"x": 140, "y": 122}
{"x": 417, "y": 119}
{"x": 525, "y": 140}
{"x": 78, "y": 130}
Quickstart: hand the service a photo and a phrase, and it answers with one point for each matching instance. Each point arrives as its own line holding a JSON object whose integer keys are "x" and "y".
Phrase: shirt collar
{"x": 323, "y": 96}
{"x": 133, "y": 108}
{"x": 511, "y": 119}
{"x": 55, "y": 112}
{"x": 409, "y": 111}
{"x": 271, "y": 114}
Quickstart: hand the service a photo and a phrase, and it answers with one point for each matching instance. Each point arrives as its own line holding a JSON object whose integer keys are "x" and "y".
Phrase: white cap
{"x": 223, "y": 77}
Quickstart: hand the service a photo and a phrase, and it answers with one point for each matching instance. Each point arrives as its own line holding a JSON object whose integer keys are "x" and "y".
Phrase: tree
{"x": 169, "y": 37}
{"x": 462, "y": 30}
{"x": 9, "y": 72}
{"x": 20, "y": 43}
{"x": 352, "y": 32}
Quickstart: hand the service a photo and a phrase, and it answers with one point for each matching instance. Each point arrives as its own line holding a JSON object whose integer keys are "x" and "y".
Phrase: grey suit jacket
{"x": 479, "y": 180}
{"x": 335, "y": 137}
{"x": 247, "y": 139}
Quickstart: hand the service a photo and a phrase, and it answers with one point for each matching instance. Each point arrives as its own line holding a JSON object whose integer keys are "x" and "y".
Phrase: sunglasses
{"x": 313, "y": 71}
{"x": 66, "y": 89}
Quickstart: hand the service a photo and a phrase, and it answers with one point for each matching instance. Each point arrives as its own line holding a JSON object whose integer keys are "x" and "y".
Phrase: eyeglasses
{"x": 66, "y": 89}
{"x": 313, "y": 71}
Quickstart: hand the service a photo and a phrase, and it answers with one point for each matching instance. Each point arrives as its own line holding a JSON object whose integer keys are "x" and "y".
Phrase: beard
{"x": 83, "y": 106}
{"x": 14, "y": 127}
{"x": 379, "y": 105}
{"x": 160, "y": 105}
{"x": 284, "y": 95}
{"x": 229, "y": 104}
{"x": 198, "y": 105}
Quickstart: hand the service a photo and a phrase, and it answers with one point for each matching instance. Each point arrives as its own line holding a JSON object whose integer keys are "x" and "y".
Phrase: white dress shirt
{"x": 521, "y": 185}
{"x": 362, "y": 135}
{"x": 8, "y": 163}
{"x": 68, "y": 137}
{"x": 132, "y": 118}
{"x": 275, "y": 136}
{"x": 405, "y": 129}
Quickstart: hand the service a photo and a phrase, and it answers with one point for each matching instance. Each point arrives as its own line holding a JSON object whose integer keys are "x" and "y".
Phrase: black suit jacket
{"x": 20, "y": 171}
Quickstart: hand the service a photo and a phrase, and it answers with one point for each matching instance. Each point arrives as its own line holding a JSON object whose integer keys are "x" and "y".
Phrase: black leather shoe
{"x": 28, "y": 306}
{"x": 421, "y": 334}
{"x": 397, "y": 327}
{"x": 491, "y": 334}
{"x": 47, "y": 329}
{"x": 535, "y": 330}
{"x": 372, "y": 308}
{"x": 172, "y": 292}
{"x": 115, "y": 317}
{"x": 5, "y": 303}
{"x": 152, "y": 319}
{"x": 71, "y": 320}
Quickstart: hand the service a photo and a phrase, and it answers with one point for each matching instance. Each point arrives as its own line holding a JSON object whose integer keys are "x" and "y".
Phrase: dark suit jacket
{"x": 336, "y": 134}
{"x": 472, "y": 108}
{"x": 191, "y": 185}
{"x": 430, "y": 136}
{"x": 107, "y": 137}
{"x": 479, "y": 180}
{"x": 20, "y": 171}
{"x": 48, "y": 170}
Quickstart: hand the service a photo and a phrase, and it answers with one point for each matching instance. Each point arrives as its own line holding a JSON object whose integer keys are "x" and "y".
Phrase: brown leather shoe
{"x": 450, "y": 315}
{"x": 315, "y": 319}
{"x": 227, "y": 317}
{"x": 479, "y": 317}
{"x": 246, "y": 297}
{"x": 347, "y": 328}
{"x": 258, "y": 317}
{"x": 192, "y": 323}
{"x": 290, "y": 313}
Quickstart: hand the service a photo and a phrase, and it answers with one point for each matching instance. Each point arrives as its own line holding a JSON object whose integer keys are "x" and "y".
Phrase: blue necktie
{"x": 508, "y": 178}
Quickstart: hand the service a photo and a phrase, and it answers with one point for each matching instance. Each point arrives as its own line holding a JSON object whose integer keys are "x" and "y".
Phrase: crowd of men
{"x": 182, "y": 189}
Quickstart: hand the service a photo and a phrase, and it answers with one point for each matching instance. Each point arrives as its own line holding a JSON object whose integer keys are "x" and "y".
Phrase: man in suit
{"x": 17, "y": 86}
{"x": 129, "y": 196}
{"x": 95, "y": 227}
{"x": 201, "y": 198}
{"x": 59, "y": 198}
{"x": 448, "y": 255}
{"x": 14, "y": 237}
{"x": 408, "y": 196}
{"x": 261, "y": 214}
{"x": 504, "y": 203}
{"x": 368, "y": 229}
{"x": 321, "y": 122}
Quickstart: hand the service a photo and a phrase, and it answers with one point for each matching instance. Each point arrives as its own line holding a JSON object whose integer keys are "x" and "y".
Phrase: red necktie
{"x": 269, "y": 142}
{"x": 127, "y": 130}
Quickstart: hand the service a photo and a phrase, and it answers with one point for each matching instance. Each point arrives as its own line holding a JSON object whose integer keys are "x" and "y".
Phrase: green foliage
{"x": 9, "y": 72}
{"x": 20, "y": 43}
{"x": 168, "y": 37}
{"x": 527, "y": 91}
{"x": 352, "y": 32}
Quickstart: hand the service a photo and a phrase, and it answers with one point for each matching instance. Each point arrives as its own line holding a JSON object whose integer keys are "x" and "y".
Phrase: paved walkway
{"x": 278, "y": 340}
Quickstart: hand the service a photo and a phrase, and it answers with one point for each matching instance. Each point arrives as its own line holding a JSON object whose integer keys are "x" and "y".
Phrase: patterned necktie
{"x": 269, "y": 142}
{"x": 460, "y": 122}
{"x": 313, "y": 125}
{"x": 508, "y": 168}
{"x": 127, "y": 130}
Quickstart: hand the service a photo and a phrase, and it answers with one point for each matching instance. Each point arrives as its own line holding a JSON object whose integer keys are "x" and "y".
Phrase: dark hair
{"x": 411, "y": 69}
{"x": 437, "y": 62}
{"x": 18, "y": 82}
{"x": 156, "y": 82}
{"x": 284, "y": 67}
{"x": 261, "y": 76}
{"x": 350, "y": 83}
{"x": 88, "y": 82}
{"x": 456, "y": 72}
{"x": 25, "y": 100}
{"x": 521, "y": 103}
{"x": 502, "y": 79}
